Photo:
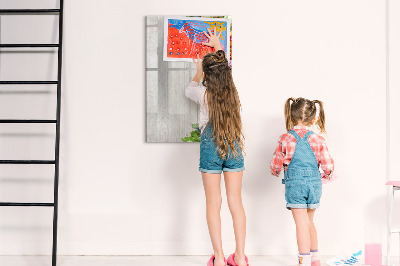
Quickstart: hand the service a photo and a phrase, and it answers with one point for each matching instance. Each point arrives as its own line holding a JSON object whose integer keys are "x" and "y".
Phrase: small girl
{"x": 302, "y": 152}
{"x": 220, "y": 148}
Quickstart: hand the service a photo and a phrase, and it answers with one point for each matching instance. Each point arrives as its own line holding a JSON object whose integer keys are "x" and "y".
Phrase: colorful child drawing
{"x": 183, "y": 37}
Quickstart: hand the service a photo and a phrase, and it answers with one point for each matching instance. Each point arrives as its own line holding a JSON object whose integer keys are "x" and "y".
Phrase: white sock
{"x": 314, "y": 255}
{"x": 305, "y": 260}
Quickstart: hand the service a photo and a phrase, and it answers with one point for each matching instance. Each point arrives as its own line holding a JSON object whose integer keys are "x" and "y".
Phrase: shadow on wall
{"x": 263, "y": 193}
{"x": 185, "y": 187}
{"x": 375, "y": 218}
{"x": 375, "y": 213}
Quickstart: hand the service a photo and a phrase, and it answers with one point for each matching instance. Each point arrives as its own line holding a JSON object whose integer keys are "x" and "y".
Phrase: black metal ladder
{"x": 57, "y": 82}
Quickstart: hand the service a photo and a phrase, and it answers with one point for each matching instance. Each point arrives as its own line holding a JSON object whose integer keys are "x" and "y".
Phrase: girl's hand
{"x": 213, "y": 39}
{"x": 199, "y": 66}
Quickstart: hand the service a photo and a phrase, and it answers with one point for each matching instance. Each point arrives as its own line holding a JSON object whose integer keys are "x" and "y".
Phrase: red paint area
{"x": 181, "y": 46}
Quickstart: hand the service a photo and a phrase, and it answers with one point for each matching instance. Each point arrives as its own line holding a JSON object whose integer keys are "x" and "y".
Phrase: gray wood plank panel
{"x": 169, "y": 114}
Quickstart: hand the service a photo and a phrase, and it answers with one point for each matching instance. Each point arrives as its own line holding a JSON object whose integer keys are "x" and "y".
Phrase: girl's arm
{"x": 277, "y": 159}
{"x": 194, "y": 91}
{"x": 327, "y": 163}
{"x": 199, "y": 72}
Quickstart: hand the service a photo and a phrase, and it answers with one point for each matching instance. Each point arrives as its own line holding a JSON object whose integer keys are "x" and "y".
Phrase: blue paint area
{"x": 198, "y": 28}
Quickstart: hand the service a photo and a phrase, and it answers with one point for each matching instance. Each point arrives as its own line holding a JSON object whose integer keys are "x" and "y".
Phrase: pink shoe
{"x": 211, "y": 261}
{"x": 231, "y": 260}
{"x": 316, "y": 263}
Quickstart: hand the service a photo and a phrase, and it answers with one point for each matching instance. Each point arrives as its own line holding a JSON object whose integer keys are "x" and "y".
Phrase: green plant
{"x": 194, "y": 135}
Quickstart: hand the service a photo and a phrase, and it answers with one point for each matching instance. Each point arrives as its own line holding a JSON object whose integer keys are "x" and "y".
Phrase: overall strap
{"x": 294, "y": 133}
{"x": 309, "y": 133}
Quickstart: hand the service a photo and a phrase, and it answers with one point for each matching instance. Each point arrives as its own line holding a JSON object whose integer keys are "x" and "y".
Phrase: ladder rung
{"x": 38, "y": 204}
{"x": 395, "y": 231}
{"x": 28, "y": 11}
{"x": 27, "y": 161}
{"x": 33, "y": 45}
{"x": 27, "y": 121}
{"x": 29, "y": 82}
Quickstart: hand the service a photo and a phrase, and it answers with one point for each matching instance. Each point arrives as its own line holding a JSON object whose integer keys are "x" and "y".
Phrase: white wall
{"x": 120, "y": 195}
{"x": 394, "y": 110}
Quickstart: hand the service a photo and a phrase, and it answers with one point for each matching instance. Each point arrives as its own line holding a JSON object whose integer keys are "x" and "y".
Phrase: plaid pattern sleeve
{"x": 277, "y": 159}
{"x": 325, "y": 160}
{"x": 283, "y": 153}
{"x": 320, "y": 149}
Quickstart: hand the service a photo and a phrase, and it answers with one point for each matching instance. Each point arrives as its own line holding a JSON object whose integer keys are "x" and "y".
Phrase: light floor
{"x": 136, "y": 260}
{"x": 143, "y": 260}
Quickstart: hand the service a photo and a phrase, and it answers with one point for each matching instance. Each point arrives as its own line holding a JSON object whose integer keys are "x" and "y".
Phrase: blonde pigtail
{"x": 288, "y": 114}
{"x": 321, "y": 116}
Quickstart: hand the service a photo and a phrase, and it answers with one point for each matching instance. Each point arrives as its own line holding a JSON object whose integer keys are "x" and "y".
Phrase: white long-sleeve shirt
{"x": 196, "y": 92}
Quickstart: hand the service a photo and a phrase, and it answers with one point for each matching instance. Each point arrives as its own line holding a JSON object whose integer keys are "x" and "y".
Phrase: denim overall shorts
{"x": 303, "y": 186}
{"x": 210, "y": 160}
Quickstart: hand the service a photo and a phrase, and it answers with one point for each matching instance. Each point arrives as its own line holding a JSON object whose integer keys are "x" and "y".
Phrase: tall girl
{"x": 220, "y": 148}
{"x": 302, "y": 153}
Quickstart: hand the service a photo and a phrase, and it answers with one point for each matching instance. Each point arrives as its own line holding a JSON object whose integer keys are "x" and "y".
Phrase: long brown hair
{"x": 303, "y": 110}
{"x": 223, "y": 104}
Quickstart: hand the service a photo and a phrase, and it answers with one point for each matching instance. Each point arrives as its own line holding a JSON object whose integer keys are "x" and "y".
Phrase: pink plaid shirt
{"x": 287, "y": 144}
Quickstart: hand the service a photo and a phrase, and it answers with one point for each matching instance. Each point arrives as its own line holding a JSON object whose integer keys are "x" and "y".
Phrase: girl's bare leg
{"x": 212, "y": 188}
{"x": 313, "y": 230}
{"x": 233, "y": 183}
{"x": 302, "y": 221}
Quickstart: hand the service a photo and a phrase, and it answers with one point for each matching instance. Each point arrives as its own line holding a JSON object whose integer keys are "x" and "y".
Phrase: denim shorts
{"x": 211, "y": 161}
{"x": 303, "y": 193}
